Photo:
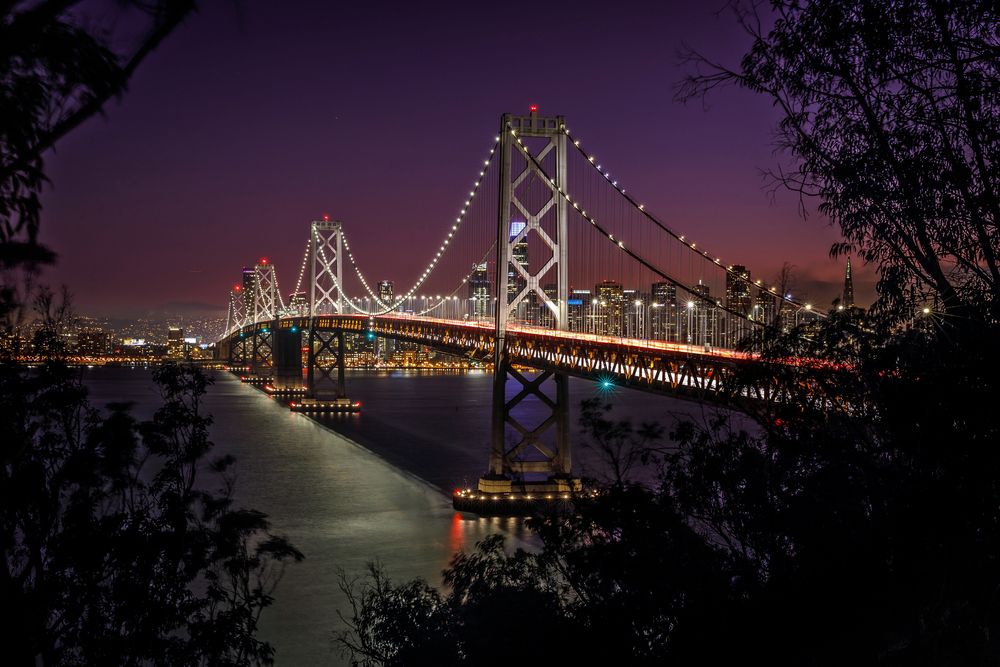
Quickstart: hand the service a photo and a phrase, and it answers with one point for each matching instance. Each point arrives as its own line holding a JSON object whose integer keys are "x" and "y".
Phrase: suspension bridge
{"x": 549, "y": 269}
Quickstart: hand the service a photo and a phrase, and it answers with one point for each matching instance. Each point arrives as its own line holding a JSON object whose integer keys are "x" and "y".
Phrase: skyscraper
{"x": 848, "y": 286}
{"x": 663, "y": 311}
{"x": 479, "y": 292}
{"x": 611, "y": 298}
{"x": 385, "y": 292}
{"x": 249, "y": 286}
{"x": 738, "y": 296}
{"x": 175, "y": 343}
{"x": 739, "y": 299}
{"x": 385, "y": 348}
{"x": 703, "y": 316}
{"x": 578, "y": 310}
{"x": 516, "y": 282}
{"x": 298, "y": 304}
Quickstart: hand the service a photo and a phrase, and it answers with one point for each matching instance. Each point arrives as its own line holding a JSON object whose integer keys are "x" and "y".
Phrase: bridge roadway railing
{"x": 686, "y": 371}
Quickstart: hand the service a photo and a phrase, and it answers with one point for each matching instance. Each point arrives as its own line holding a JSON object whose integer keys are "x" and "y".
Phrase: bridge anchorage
{"x": 665, "y": 322}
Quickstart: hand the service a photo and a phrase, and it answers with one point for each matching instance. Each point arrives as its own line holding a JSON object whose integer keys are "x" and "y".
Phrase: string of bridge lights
{"x": 592, "y": 160}
{"x": 277, "y": 292}
{"x": 302, "y": 269}
{"x": 462, "y": 215}
{"x": 468, "y": 276}
{"x": 441, "y": 300}
{"x": 618, "y": 242}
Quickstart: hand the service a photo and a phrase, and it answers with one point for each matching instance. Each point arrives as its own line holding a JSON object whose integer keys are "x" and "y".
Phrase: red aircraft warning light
{"x": 236, "y": 288}
{"x": 533, "y": 108}
{"x": 326, "y": 218}
{"x": 263, "y": 260}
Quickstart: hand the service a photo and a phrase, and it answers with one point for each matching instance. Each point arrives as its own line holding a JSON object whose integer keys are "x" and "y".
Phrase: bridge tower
{"x": 518, "y": 451}
{"x": 325, "y": 366}
{"x": 265, "y": 293}
{"x": 236, "y": 319}
{"x": 262, "y": 311}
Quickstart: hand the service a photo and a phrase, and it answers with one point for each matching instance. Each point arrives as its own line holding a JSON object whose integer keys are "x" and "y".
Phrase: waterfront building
{"x": 175, "y": 343}
{"x": 93, "y": 342}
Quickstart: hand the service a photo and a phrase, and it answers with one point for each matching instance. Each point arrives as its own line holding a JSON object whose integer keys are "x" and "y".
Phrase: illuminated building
{"x": 249, "y": 284}
{"x": 578, "y": 309}
{"x": 93, "y": 342}
{"x": 611, "y": 302}
{"x": 479, "y": 292}
{"x": 848, "y": 300}
{"x": 515, "y": 281}
{"x": 385, "y": 292}
{"x": 703, "y": 316}
{"x": 297, "y": 303}
{"x": 738, "y": 297}
{"x": 175, "y": 343}
{"x": 385, "y": 347}
{"x": 663, "y": 311}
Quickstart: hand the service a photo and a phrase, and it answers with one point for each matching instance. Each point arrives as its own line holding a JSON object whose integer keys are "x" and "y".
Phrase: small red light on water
{"x": 533, "y": 108}
{"x": 458, "y": 492}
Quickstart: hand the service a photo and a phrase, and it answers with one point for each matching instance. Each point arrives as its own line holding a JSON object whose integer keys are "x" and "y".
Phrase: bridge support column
{"x": 523, "y": 458}
{"x": 325, "y": 369}
{"x": 262, "y": 346}
{"x": 239, "y": 350}
{"x": 287, "y": 358}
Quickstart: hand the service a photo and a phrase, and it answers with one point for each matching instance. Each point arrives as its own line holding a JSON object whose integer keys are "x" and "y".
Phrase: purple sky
{"x": 256, "y": 117}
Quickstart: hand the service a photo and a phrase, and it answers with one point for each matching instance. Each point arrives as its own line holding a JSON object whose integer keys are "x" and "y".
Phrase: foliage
{"x": 57, "y": 71}
{"x": 115, "y": 551}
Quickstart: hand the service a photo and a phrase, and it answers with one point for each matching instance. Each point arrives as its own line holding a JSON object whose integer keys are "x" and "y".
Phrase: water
{"x": 360, "y": 488}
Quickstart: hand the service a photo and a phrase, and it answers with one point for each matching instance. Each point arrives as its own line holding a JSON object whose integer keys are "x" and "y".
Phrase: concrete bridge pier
{"x": 287, "y": 357}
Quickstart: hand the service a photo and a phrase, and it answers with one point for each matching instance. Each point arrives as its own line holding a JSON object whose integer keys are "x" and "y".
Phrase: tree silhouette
{"x": 116, "y": 551}
{"x": 890, "y": 112}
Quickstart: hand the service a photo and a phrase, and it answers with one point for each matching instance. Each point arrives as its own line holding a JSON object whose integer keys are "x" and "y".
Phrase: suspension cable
{"x": 592, "y": 161}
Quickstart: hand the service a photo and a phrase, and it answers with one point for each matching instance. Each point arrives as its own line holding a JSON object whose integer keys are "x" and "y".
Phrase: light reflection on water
{"x": 374, "y": 490}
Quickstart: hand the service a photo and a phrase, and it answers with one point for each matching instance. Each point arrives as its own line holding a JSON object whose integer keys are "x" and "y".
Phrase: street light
{"x": 690, "y": 312}
{"x": 638, "y": 319}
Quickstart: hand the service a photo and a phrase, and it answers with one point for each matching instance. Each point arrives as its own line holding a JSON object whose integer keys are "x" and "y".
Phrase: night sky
{"x": 257, "y": 117}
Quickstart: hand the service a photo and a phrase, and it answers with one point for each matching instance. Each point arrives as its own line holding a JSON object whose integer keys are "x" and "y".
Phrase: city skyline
{"x": 207, "y": 210}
